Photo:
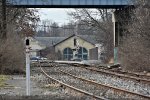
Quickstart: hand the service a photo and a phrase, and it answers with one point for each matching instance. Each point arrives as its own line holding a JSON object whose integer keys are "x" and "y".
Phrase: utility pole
{"x": 4, "y": 25}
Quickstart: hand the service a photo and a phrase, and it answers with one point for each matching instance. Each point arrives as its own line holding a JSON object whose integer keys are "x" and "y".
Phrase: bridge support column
{"x": 116, "y": 36}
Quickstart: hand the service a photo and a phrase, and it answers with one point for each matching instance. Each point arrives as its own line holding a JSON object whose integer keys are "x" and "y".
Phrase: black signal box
{"x": 27, "y": 42}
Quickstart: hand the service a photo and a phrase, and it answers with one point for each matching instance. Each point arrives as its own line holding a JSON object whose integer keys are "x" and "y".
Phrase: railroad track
{"x": 111, "y": 80}
{"x": 139, "y": 75}
{"x": 93, "y": 88}
{"x": 72, "y": 87}
{"x": 120, "y": 74}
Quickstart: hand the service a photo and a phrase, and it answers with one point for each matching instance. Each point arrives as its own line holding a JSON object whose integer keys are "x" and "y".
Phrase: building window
{"x": 67, "y": 54}
{"x": 83, "y": 53}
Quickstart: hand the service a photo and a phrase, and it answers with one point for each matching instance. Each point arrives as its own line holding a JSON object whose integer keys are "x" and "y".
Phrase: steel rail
{"x": 119, "y": 75}
{"x": 121, "y": 72}
{"x": 126, "y": 72}
{"x": 71, "y": 87}
{"x": 107, "y": 86}
{"x": 136, "y": 74}
{"x": 115, "y": 74}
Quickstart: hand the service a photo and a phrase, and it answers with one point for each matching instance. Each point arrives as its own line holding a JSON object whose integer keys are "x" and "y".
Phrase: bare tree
{"x": 20, "y": 22}
{"x": 99, "y": 20}
{"x": 135, "y": 49}
{"x": 48, "y": 28}
{"x": 23, "y": 19}
{"x": 12, "y": 59}
{"x": 68, "y": 29}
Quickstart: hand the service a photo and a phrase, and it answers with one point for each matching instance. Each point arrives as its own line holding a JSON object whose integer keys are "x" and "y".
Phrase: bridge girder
{"x": 113, "y": 4}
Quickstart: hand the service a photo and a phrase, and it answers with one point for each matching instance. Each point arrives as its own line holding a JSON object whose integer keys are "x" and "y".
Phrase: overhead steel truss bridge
{"x": 69, "y": 3}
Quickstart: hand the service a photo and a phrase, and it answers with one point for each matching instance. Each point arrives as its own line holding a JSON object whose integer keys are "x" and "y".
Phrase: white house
{"x": 66, "y": 46}
{"x": 40, "y": 43}
{"x": 35, "y": 46}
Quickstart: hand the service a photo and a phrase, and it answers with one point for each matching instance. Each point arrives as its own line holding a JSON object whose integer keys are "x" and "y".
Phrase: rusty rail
{"x": 121, "y": 72}
{"x": 99, "y": 84}
{"x": 115, "y": 73}
{"x": 107, "y": 86}
{"x": 71, "y": 87}
{"x": 119, "y": 75}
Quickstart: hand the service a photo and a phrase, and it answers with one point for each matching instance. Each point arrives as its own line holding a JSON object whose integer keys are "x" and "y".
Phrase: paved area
{"x": 17, "y": 87}
{"x": 16, "y": 90}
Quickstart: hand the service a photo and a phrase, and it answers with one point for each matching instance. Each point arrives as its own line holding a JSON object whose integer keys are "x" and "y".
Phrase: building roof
{"x": 53, "y": 41}
{"x": 90, "y": 39}
{"x": 49, "y": 41}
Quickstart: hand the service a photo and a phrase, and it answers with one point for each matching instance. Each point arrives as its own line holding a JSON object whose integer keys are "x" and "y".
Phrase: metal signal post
{"x": 27, "y": 67}
{"x": 76, "y": 42}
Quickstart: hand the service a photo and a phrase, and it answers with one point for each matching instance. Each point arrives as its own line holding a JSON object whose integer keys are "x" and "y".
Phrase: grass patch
{"x": 3, "y": 78}
{"x": 52, "y": 87}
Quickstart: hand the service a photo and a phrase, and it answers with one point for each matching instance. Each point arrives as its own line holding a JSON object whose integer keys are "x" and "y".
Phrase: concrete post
{"x": 115, "y": 44}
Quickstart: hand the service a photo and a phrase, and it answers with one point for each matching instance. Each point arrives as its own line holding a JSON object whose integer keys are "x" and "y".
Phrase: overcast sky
{"x": 55, "y": 14}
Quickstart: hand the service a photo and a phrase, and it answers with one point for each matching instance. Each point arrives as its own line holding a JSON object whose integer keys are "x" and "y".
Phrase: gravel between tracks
{"x": 87, "y": 74}
{"x": 108, "y": 80}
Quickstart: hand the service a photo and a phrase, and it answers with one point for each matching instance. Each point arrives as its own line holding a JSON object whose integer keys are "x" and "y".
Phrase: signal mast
{"x": 76, "y": 42}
